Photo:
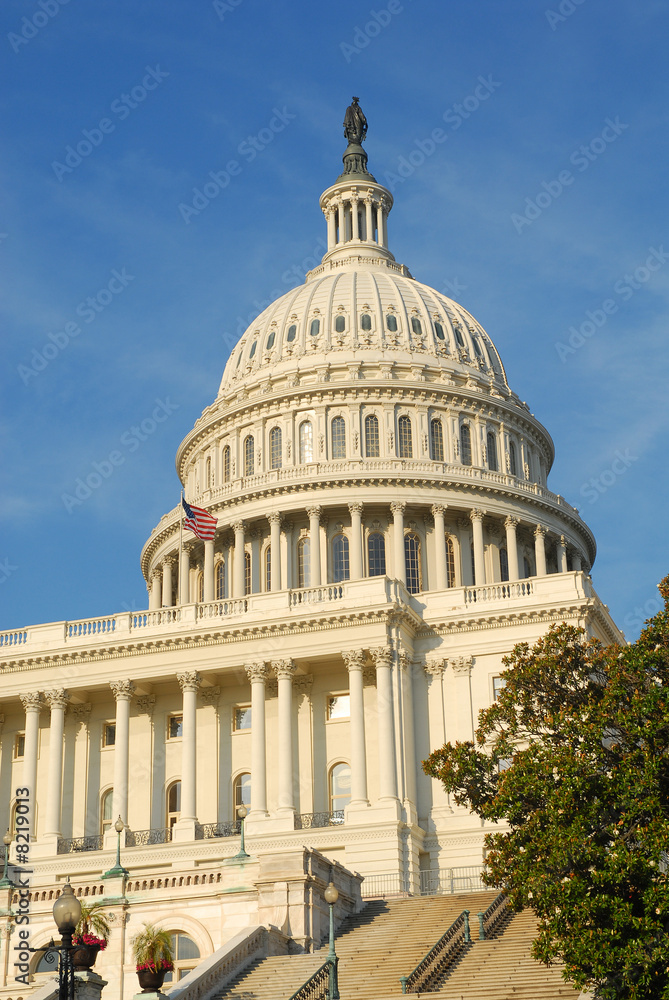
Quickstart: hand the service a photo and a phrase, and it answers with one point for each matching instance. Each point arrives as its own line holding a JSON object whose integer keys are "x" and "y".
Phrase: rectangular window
{"x": 339, "y": 706}
{"x": 175, "y": 727}
{"x": 108, "y": 734}
{"x": 242, "y": 718}
{"x": 19, "y": 745}
{"x": 498, "y": 683}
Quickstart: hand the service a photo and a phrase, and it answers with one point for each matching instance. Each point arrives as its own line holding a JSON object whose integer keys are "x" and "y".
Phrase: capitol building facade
{"x": 385, "y": 535}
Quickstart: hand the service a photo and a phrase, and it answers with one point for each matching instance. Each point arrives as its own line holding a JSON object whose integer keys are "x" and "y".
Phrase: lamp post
{"x": 118, "y": 870}
{"x": 241, "y": 854}
{"x": 5, "y": 881}
{"x": 331, "y": 896}
{"x": 66, "y": 913}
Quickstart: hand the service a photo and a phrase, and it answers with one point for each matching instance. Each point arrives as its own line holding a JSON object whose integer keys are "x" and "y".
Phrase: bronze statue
{"x": 355, "y": 123}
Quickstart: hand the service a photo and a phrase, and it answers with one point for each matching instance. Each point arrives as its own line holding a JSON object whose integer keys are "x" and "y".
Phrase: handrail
{"x": 316, "y": 987}
{"x": 439, "y": 956}
{"x": 489, "y": 919}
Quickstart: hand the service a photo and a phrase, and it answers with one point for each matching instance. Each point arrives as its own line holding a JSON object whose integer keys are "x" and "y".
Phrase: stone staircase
{"x": 388, "y": 938}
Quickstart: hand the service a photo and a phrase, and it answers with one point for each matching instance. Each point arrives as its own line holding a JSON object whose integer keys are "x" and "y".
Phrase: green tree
{"x": 572, "y": 762}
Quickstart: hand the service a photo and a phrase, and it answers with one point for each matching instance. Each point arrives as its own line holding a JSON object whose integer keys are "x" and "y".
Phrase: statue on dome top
{"x": 355, "y": 123}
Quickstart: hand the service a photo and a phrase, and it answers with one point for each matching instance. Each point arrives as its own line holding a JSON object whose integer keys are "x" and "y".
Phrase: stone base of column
{"x": 155, "y": 995}
{"x": 440, "y": 818}
{"x": 45, "y": 846}
{"x": 384, "y": 811}
{"x": 262, "y": 825}
{"x": 89, "y": 985}
{"x": 184, "y": 830}
{"x": 110, "y": 840}
{"x": 114, "y": 889}
{"x": 357, "y": 813}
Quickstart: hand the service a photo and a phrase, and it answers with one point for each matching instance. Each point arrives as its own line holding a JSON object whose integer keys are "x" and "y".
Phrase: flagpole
{"x": 181, "y": 537}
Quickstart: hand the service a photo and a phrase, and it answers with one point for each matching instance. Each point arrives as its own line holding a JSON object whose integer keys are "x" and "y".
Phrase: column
{"x": 155, "y": 594}
{"x": 356, "y": 541}
{"x": 540, "y": 549}
{"x": 315, "y": 544}
{"x": 332, "y": 229}
{"x": 399, "y": 561}
{"x": 184, "y": 575}
{"x": 123, "y": 693}
{"x": 257, "y": 674}
{"x": 511, "y": 523}
{"x": 369, "y": 220}
{"x": 355, "y": 661}
{"x": 406, "y": 678}
{"x": 383, "y": 658}
{"x": 434, "y": 669}
{"x": 32, "y": 704}
{"x": 355, "y": 231}
{"x": 476, "y": 517}
{"x": 562, "y": 554}
{"x": 238, "y": 582}
{"x": 189, "y": 683}
{"x": 275, "y": 549}
{"x": 440, "y": 546}
{"x": 57, "y": 700}
{"x": 464, "y": 718}
{"x": 576, "y": 560}
{"x": 208, "y": 571}
{"x": 168, "y": 562}
{"x": 284, "y": 670}
{"x": 383, "y": 235}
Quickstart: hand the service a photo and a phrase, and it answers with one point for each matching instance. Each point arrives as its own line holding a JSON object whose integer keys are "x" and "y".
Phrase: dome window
{"x": 248, "y": 456}
{"x": 459, "y": 337}
{"x": 412, "y": 561}
{"x": 492, "y": 451}
{"x": 372, "y": 441}
{"x": 292, "y": 333}
{"x": 338, "y": 436}
{"x": 253, "y": 349}
{"x": 465, "y": 445}
{"x": 513, "y": 461}
{"x": 270, "y": 340}
{"x": 315, "y": 327}
{"x": 404, "y": 437}
{"x": 436, "y": 440}
{"x": 416, "y": 326}
{"x": 340, "y": 323}
{"x": 340, "y": 559}
{"x": 366, "y": 321}
{"x": 391, "y": 323}
{"x": 239, "y": 359}
{"x": 477, "y": 349}
{"x": 376, "y": 554}
{"x": 306, "y": 442}
{"x": 439, "y": 330}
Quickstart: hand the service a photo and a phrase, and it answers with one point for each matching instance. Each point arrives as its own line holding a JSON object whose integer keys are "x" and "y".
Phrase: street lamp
{"x": 118, "y": 869}
{"x": 331, "y": 896}
{"x": 5, "y": 881}
{"x": 66, "y": 913}
{"x": 241, "y": 854}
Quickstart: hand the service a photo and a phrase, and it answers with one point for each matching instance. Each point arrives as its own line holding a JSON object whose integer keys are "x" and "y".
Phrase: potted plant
{"x": 154, "y": 957}
{"x": 90, "y": 935}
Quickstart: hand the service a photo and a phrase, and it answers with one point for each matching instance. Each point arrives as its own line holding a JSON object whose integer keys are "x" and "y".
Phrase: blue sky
{"x": 542, "y": 209}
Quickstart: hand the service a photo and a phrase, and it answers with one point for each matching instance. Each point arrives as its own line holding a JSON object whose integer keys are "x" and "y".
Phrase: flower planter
{"x": 84, "y": 955}
{"x": 151, "y": 980}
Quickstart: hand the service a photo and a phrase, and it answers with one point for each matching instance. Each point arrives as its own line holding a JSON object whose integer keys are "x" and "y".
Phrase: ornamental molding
{"x": 32, "y": 701}
{"x": 80, "y": 713}
{"x": 302, "y": 684}
{"x": 354, "y": 659}
{"x": 435, "y": 666}
{"x": 256, "y": 672}
{"x": 189, "y": 680}
{"x": 211, "y": 695}
{"x": 57, "y": 698}
{"x": 462, "y": 665}
{"x": 382, "y": 656}
{"x": 283, "y": 669}
{"x": 145, "y": 704}
{"x": 123, "y": 690}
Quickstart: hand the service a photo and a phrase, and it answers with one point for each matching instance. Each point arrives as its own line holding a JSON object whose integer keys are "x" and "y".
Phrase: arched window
{"x": 416, "y": 326}
{"x": 376, "y": 554}
{"x": 292, "y": 333}
{"x": 340, "y": 324}
{"x": 254, "y": 347}
{"x": 275, "y": 448}
{"x": 315, "y": 327}
{"x": 412, "y": 561}
{"x": 249, "y": 453}
{"x": 465, "y": 445}
{"x": 186, "y": 956}
{"x": 528, "y": 459}
{"x": 247, "y": 573}
{"x": 304, "y": 562}
{"x": 391, "y": 323}
{"x": 106, "y": 805}
{"x": 200, "y": 587}
{"x": 450, "y": 563}
{"x": 439, "y": 330}
{"x": 219, "y": 581}
{"x": 241, "y": 792}
{"x": 339, "y": 790}
{"x": 405, "y": 442}
{"x": 46, "y": 962}
{"x": 338, "y": 435}
{"x": 306, "y": 442}
{"x": 513, "y": 462}
{"x": 436, "y": 440}
{"x": 492, "y": 451}
{"x": 340, "y": 563}
{"x": 477, "y": 349}
{"x": 458, "y": 336}
{"x": 366, "y": 322}
{"x": 372, "y": 441}
{"x": 503, "y": 565}
{"x": 207, "y": 475}
{"x": 173, "y": 804}
{"x": 226, "y": 464}
{"x": 268, "y": 568}
{"x": 270, "y": 341}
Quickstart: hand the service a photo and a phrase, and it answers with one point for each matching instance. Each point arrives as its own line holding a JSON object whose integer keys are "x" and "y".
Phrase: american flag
{"x": 199, "y": 521}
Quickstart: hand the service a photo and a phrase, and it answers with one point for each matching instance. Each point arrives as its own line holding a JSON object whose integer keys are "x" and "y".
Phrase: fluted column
{"x": 383, "y": 231}
{"x": 440, "y": 546}
{"x": 284, "y": 670}
{"x": 369, "y": 220}
{"x": 57, "y": 700}
{"x": 434, "y": 670}
{"x": 332, "y": 229}
{"x": 562, "y": 554}
{"x": 123, "y": 693}
{"x": 355, "y": 661}
{"x": 168, "y": 562}
{"x": 315, "y": 544}
{"x": 257, "y": 674}
{"x": 479, "y": 553}
{"x": 511, "y": 523}
{"x": 355, "y": 230}
{"x": 238, "y": 583}
{"x": 356, "y": 540}
{"x": 540, "y": 549}
{"x": 276, "y": 569}
{"x": 184, "y": 575}
{"x": 383, "y": 658}
{"x": 576, "y": 560}
{"x": 399, "y": 561}
{"x": 189, "y": 683}
{"x": 208, "y": 571}
{"x": 32, "y": 704}
{"x": 155, "y": 594}
{"x": 406, "y": 682}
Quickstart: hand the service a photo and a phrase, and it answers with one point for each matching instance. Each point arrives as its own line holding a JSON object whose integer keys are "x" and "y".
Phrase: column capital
{"x": 123, "y": 690}
{"x": 462, "y": 665}
{"x": 540, "y": 531}
{"x": 189, "y": 680}
{"x": 284, "y": 669}
{"x": 210, "y": 695}
{"x": 438, "y": 509}
{"x": 146, "y": 704}
{"x": 382, "y": 656}
{"x": 476, "y": 515}
{"x": 398, "y": 507}
{"x": 275, "y": 517}
{"x": 511, "y": 522}
{"x": 406, "y": 659}
{"x": 256, "y": 671}
{"x": 315, "y": 511}
{"x": 356, "y": 507}
{"x": 237, "y": 526}
{"x": 302, "y": 683}
{"x": 169, "y": 560}
{"x": 32, "y": 702}
{"x": 563, "y": 540}
{"x": 57, "y": 698}
{"x": 435, "y": 667}
{"x": 80, "y": 713}
{"x": 354, "y": 659}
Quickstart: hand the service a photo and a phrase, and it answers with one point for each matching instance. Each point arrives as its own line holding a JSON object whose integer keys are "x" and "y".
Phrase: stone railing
{"x": 310, "y": 821}
{"x": 144, "y": 838}
{"x": 491, "y": 918}
{"x": 316, "y": 595}
{"x": 210, "y": 831}
{"x": 212, "y": 974}
{"x": 498, "y": 591}
{"x": 427, "y": 975}
{"x": 72, "y": 845}
{"x": 14, "y": 638}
